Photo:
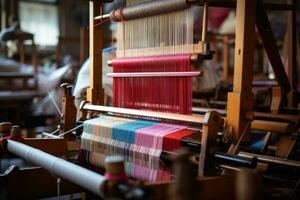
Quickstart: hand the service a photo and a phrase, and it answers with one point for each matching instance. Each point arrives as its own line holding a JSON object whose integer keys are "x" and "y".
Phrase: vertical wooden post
{"x": 14, "y": 16}
{"x": 95, "y": 93}
{"x": 225, "y": 58}
{"x": 212, "y": 123}
{"x": 34, "y": 63}
{"x": 58, "y": 51}
{"x": 240, "y": 101}
{"x": 295, "y": 79}
{"x": 68, "y": 109}
{"x": 276, "y": 99}
{"x": 83, "y": 44}
{"x": 4, "y": 14}
{"x": 21, "y": 50}
{"x": 291, "y": 52}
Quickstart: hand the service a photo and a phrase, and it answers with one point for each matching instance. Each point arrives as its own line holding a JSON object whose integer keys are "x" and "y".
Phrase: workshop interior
{"x": 150, "y": 99}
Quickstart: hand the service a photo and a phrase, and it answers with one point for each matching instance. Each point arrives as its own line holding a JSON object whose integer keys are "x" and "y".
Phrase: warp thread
{"x": 167, "y": 94}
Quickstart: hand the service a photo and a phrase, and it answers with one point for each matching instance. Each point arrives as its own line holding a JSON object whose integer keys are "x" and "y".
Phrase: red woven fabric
{"x": 171, "y": 141}
{"x": 168, "y": 94}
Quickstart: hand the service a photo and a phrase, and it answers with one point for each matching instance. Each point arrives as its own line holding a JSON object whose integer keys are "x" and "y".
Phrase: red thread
{"x": 151, "y": 61}
{"x": 167, "y": 94}
{"x": 119, "y": 177}
{"x": 172, "y": 141}
{"x": 121, "y": 14}
{"x": 16, "y": 138}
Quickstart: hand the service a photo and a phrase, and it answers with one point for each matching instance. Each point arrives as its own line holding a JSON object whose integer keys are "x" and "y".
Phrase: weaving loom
{"x": 152, "y": 71}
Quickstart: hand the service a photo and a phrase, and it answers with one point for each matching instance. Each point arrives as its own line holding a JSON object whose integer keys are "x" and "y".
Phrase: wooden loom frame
{"x": 239, "y": 101}
{"x": 212, "y": 121}
{"x": 238, "y": 118}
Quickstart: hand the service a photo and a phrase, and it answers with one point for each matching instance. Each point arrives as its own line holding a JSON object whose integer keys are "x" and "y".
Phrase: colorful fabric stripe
{"x": 172, "y": 141}
{"x": 126, "y": 132}
{"x": 140, "y": 142}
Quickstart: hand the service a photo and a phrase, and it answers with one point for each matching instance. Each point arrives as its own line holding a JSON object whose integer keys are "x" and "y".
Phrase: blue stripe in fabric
{"x": 126, "y": 132}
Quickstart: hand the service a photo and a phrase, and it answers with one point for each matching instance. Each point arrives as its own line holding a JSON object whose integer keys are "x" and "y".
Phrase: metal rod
{"x": 102, "y": 17}
{"x": 74, "y": 173}
{"x": 230, "y": 168}
{"x": 147, "y": 9}
{"x": 194, "y": 57}
{"x": 270, "y": 159}
{"x": 219, "y": 3}
{"x": 71, "y": 130}
{"x": 154, "y": 74}
{"x": 49, "y": 135}
{"x": 204, "y": 22}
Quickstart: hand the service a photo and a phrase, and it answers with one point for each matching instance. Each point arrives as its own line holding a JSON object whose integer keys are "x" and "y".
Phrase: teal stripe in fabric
{"x": 126, "y": 132}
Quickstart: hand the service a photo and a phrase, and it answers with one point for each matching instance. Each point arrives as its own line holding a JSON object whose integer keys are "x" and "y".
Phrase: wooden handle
{"x": 147, "y": 114}
{"x": 5, "y": 127}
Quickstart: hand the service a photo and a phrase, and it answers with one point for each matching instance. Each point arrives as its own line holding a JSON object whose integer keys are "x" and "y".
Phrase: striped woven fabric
{"x": 140, "y": 142}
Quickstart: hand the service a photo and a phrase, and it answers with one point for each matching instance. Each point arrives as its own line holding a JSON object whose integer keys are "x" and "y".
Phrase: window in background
{"x": 40, "y": 19}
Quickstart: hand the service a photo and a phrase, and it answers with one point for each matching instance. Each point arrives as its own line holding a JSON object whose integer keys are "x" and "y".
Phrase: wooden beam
{"x": 269, "y": 42}
{"x": 56, "y": 147}
{"x": 83, "y": 44}
{"x": 232, "y": 4}
{"x": 276, "y": 99}
{"x": 144, "y": 113}
{"x": 95, "y": 93}
{"x": 225, "y": 58}
{"x": 277, "y": 117}
{"x": 290, "y": 54}
{"x": 295, "y": 43}
{"x": 240, "y": 101}
{"x": 295, "y": 119}
{"x": 274, "y": 127}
